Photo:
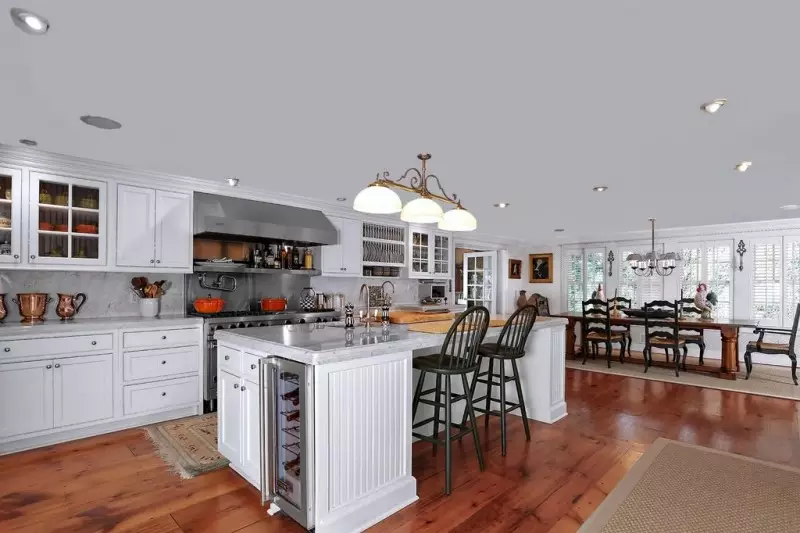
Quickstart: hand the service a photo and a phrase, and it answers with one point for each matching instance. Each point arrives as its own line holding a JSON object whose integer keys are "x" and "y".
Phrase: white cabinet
{"x": 83, "y": 389}
{"x": 251, "y": 441}
{"x": 430, "y": 253}
{"x": 10, "y": 216}
{"x": 67, "y": 220}
{"x": 26, "y": 397}
{"x": 343, "y": 259}
{"x": 229, "y": 421}
{"x": 154, "y": 228}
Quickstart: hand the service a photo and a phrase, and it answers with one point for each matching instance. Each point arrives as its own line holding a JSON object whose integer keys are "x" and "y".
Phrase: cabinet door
{"x": 26, "y": 397}
{"x": 173, "y": 229}
{"x": 441, "y": 246}
{"x": 83, "y": 389}
{"x": 67, "y": 222}
{"x": 10, "y": 215}
{"x": 332, "y": 254}
{"x": 350, "y": 239}
{"x": 251, "y": 452}
{"x": 229, "y": 418}
{"x": 136, "y": 226}
{"x": 419, "y": 249}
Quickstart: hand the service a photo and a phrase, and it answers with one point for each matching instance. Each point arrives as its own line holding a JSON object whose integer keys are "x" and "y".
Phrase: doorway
{"x": 479, "y": 279}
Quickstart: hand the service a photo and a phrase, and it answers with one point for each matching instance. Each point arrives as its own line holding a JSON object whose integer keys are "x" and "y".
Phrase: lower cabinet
{"x": 238, "y": 424}
{"x": 251, "y": 441}
{"x": 26, "y": 397}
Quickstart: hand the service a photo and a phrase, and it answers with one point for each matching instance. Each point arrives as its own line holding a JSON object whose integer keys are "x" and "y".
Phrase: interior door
{"x": 26, "y": 397}
{"x": 229, "y": 421}
{"x": 10, "y": 215}
{"x": 173, "y": 229}
{"x": 83, "y": 389}
{"x": 480, "y": 269}
{"x": 251, "y": 453}
{"x": 136, "y": 231}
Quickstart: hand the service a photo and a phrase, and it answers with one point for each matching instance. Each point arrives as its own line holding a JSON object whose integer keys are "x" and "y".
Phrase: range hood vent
{"x": 228, "y": 218}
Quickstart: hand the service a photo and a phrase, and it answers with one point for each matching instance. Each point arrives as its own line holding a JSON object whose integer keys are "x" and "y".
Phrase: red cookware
{"x": 209, "y": 305}
{"x": 273, "y": 304}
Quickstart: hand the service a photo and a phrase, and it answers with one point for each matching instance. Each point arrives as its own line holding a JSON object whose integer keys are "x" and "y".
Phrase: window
{"x": 710, "y": 263}
{"x": 791, "y": 279}
{"x": 585, "y": 271}
{"x": 626, "y": 279}
{"x": 639, "y": 289}
{"x": 766, "y": 281}
{"x": 574, "y": 277}
{"x": 691, "y": 270}
{"x": 595, "y": 271}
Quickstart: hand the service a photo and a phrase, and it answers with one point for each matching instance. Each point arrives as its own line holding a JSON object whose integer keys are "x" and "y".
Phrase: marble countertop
{"x": 323, "y": 343}
{"x": 78, "y": 325}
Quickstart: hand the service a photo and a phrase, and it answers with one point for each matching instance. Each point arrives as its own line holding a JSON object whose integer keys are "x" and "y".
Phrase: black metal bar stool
{"x": 510, "y": 346}
{"x": 457, "y": 358}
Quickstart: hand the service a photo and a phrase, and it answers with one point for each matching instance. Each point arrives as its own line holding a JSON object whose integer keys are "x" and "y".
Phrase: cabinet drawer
{"x": 160, "y": 363}
{"x": 250, "y": 367}
{"x": 57, "y": 345}
{"x": 161, "y": 395}
{"x": 160, "y": 338}
{"x": 229, "y": 359}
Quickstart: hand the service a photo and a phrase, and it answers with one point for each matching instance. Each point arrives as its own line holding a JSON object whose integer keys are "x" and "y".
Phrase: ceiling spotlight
{"x": 233, "y": 182}
{"x": 502, "y": 205}
{"x": 28, "y": 142}
{"x": 790, "y": 207}
{"x": 101, "y": 122}
{"x": 559, "y": 230}
{"x": 714, "y": 105}
{"x": 600, "y": 188}
{"x": 743, "y": 166}
{"x": 29, "y": 22}
{"x": 341, "y": 199}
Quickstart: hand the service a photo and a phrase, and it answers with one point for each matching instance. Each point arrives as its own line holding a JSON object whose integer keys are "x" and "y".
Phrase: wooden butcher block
{"x": 444, "y": 326}
{"x": 414, "y": 317}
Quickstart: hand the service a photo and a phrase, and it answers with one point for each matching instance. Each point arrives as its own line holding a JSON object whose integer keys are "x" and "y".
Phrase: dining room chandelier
{"x": 652, "y": 262}
{"x": 378, "y": 198}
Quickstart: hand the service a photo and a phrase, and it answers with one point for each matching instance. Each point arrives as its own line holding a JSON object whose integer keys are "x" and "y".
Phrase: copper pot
{"x": 32, "y": 305}
{"x": 3, "y": 310}
{"x": 66, "y": 307}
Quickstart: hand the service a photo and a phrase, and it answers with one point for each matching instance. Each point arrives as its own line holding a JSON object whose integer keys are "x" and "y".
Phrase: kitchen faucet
{"x": 364, "y": 287}
{"x": 383, "y": 291}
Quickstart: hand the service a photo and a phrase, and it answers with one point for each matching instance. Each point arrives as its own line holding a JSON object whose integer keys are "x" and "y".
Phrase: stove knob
{"x": 319, "y": 320}
{"x": 302, "y": 320}
{"x": 287, "y": 322}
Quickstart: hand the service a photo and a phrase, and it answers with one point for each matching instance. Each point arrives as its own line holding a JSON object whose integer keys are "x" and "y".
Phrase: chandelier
{"x": 645, "y": 265}
{"x": 379, "y": 198}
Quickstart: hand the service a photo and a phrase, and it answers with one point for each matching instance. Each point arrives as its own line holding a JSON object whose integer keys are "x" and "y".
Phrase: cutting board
{"x": 443, "y": 326}
{"x": 413, "y": 317}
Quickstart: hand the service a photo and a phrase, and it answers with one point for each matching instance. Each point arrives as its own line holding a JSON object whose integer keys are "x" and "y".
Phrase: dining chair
{"x": 597, "y": 329}
{"x": 774, "y": 348}
{"x": 691, "y": 335}
{"x": 662, "y": 331}
{"x": 622, "y": 303}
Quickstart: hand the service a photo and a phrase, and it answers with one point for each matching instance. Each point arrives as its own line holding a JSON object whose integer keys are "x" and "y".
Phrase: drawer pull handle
{"x": 235, "y": 385}
{"x": 7, "y": 350}
{"x": 163, "y": 362}
{"x": 58, "y": 366}
{"x": 227, "y": 357}
{"x": 163, "y": 394}
{"x": 252, "y": 367}
{"x": 48, "y": 367}
{"x": 242, "y": 388}
{"x": 94, "y": 343}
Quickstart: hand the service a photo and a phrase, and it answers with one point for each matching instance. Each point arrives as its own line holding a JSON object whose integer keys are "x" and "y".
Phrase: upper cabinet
{"x": 154, "y": 228}
{"x": 430, "y": 253}
{"x": 10, "y": 215}
{"x": 343, "y": 259}
{"x": 67, "y": 222}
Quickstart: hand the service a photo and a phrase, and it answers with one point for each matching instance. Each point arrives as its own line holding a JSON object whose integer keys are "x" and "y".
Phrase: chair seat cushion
{"x": 669, "y": 343}
{"x": 431, "y": 363}
{"x": 491, "y": 349}
{"x": 765, "y": 347}
{"x": 615, "y": 336}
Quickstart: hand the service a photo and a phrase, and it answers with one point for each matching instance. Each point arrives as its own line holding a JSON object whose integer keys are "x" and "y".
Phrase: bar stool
{"x": 456, "y": 358}
{"x": 510, "y": 346}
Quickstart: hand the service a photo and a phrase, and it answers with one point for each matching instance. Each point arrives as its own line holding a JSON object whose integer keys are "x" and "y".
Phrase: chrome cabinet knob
{"x": 163, "y": 362}
{"x": 94, "y": 343}
{"x": 7, "y": 349}
{"x": 227, "y": 357}
{"x": 58, "y": 366}
{"x": 235, "y": 385}
{"x": 243, "y": 388}
{"x": 16, "y": 256}
{"x": 163, "y": 394}
{"x": 152, "y": 260}
{"x": 158, "y": 260}
{"x": 49, "y": 367}
{"x": 252, "y": 367}
{"x": 163, "y": 337}
{"x": 33, "y": 257}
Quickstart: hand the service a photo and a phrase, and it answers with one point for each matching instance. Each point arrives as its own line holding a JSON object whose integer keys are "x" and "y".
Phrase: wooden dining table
{"x": 728, "y": 329}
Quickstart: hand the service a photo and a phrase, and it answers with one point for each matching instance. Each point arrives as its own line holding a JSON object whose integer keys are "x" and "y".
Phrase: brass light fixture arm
{"x": 418, "y": 183}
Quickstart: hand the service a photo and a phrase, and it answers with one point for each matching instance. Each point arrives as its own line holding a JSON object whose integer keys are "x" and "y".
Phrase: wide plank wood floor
{"x": 116, "y": 482}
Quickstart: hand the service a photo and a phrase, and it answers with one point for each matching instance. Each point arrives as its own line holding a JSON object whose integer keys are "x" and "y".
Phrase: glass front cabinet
{"x": 67, "y": 220}
{"x": 10, "y": 216}
{"x": 430, "y": 253}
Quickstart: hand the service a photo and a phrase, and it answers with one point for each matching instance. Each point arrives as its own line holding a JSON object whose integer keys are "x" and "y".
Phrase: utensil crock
{"x": 67, "y": 307}
{"x": 149, "y": 307}
{"x": 32, "y": 306}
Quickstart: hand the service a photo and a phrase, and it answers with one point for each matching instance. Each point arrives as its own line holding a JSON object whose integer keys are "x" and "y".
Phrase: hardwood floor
{"x": 116, "y": 482}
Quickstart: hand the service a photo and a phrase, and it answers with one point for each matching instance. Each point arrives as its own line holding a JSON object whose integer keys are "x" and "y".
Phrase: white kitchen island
{"x": 363, "y": 387}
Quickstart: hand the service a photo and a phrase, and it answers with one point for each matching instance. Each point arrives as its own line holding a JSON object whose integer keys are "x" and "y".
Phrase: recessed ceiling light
{"x": 341, "y": 199}
{"x": 600, "y": 188}
{"x": 29, "y": 22}
{"x": 559, "y": 230}
{"x": 790, "y": 207}
{"x": 743, "y": 166}
{"x": 233, "y": 182}
{"x": 714, "y": 105}
{"x": 28, "y": 142}
{"x": 101, "y": 122}
{"x": 502, "y": 205}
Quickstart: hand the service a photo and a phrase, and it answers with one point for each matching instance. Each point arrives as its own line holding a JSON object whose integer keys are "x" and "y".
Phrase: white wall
{"x": 509, "y": 288}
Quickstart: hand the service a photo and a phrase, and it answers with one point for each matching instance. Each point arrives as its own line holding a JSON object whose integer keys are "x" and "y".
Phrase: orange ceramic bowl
{"x": 209, "y": 305}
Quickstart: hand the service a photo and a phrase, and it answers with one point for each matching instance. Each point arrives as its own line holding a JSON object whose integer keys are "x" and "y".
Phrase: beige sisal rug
{"x": 677, "y": 487}
{"x": 188, "y": 445}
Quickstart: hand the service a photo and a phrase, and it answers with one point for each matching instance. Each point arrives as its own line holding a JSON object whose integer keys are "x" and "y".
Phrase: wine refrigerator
{"x": 286, "y": 400}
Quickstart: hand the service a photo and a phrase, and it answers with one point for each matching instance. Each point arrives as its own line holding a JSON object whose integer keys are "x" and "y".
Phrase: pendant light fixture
{"x": 379, "y": 198}
{"x": 652, "y": 262}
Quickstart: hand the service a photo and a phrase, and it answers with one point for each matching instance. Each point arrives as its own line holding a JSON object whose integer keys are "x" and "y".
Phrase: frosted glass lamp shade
{"x": 458, "y": 220}
{"x": 421, "y": 211}
{"x": 378, "y": 200}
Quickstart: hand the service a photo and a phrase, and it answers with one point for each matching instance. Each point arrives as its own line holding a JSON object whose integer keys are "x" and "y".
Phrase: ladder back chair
{"x": 597, "y": 329}
{"x": 691, "y": 335}
{"x": 662, "y": 332}
{"x": 622, "y": 304}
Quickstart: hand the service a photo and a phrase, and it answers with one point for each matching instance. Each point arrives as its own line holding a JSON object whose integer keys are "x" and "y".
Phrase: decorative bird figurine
{"x": 702, "y": 301}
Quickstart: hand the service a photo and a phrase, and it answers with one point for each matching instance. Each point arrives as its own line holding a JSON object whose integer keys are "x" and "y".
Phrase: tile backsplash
{"x": 107, "y": 293}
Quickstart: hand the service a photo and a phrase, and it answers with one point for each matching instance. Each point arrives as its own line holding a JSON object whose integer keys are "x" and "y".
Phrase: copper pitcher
{"x": 3, "y": 310}
{"x": 67, "y": 307}
{"x": 32, "y": 305}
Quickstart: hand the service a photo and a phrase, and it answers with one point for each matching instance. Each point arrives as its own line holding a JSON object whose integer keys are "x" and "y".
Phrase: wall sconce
{"x": 741, "y": 250}
{"x": 610, "y": 260}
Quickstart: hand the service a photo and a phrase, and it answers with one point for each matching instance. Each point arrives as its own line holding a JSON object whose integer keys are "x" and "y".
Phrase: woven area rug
{"x": 681, "y": 487}
{"x": 188, "y": 445}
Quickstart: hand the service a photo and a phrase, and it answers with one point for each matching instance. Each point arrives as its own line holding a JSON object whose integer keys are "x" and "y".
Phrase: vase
{"x": 149, "y": 307}
{"x": 522, "y": 301}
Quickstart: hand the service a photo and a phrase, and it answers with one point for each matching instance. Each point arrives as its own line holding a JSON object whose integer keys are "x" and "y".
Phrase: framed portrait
{"x": 541, "y": 268}
{"x": 515, "y": 269}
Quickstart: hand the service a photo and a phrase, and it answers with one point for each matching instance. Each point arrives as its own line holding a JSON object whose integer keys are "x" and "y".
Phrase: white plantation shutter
{"x": 791, "y": 278}
{"x": 574, "y": 277}
{"x": 691, "y": 268}
{"x": 595, "y": 271}
{"x": 652, "y": 289}
{"x": 626, "y": 279}
{"x": 765, "y": 300}
{"x": 719, "y": 273}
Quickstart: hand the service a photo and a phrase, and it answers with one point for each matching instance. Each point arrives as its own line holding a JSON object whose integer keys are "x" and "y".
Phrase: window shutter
{"x": 626, "y": 279}
{"x": 595, "y": 271}
{"x": 791, "y": 279}
{"x": 574, "y": 280}
{"x": 691, "y": 269}
{"x": 765, "y": 299}
{"x": 718, "y": 275}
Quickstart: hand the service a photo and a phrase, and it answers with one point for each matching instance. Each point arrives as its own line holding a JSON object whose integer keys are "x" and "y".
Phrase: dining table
{"x": 727, "y": 327}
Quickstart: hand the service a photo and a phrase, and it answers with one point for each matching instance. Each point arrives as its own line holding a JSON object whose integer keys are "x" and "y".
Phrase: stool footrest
{"x": 494, "y": 412}
{"x": 422, "y": 422}
{"x": 465, "y": 430}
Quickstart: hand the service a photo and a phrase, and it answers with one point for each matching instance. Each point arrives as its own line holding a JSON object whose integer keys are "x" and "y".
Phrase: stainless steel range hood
{"x": 224, "y": 217}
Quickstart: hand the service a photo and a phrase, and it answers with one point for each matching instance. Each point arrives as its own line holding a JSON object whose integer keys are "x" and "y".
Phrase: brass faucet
{"x": 383, "y": 291}
{"x": 364, "y": 287}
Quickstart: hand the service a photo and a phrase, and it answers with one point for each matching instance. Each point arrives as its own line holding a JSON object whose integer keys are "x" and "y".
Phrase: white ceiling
{"x": 532, "y": 103}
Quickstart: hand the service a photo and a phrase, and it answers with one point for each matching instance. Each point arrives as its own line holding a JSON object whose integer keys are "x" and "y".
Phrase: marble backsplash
{"x": 107, "y": 293}
{"x": 406, "y": 291}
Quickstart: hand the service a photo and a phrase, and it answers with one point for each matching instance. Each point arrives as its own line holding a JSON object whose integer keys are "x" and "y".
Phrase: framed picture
{"x": 541, "y": 268}
{"x": 515, "y": 269}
